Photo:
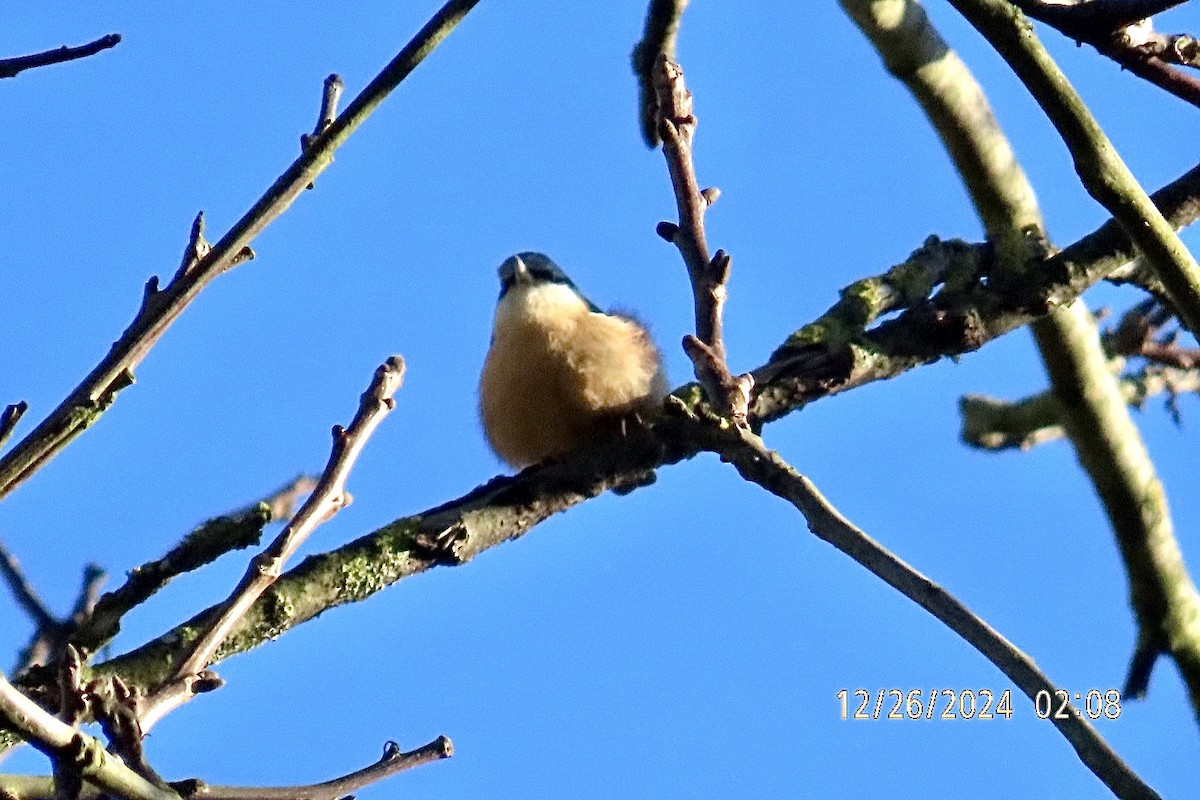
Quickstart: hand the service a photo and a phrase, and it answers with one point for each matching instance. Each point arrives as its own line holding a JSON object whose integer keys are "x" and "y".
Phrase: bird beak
{"x": 521, "y": 272}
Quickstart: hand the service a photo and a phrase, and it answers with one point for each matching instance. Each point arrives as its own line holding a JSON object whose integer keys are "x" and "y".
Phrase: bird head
{"x": 534, "y": 273}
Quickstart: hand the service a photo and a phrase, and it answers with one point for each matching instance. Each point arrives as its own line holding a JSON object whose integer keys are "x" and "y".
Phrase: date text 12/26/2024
{"x": 973, "y": 704}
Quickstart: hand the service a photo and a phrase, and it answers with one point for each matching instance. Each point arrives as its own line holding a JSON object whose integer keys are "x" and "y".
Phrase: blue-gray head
{"x": 532, "y": 269}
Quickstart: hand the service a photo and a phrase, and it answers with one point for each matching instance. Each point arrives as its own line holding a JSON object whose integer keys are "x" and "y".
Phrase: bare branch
{"x": 23, "y": 592}
{"x": 11, "y": 67}
{"x": 764, "y": 467}
{"x": 820, "y": 360}
{"x": 161, "y": 308}
{"x": 209, "y": 541}
{"x": 393, "y": 762}
{"x": 25, "y": 787}
{"x": 9, "y": 419}
{"x": 330, "y": 95}
{"x": 50, "y": 632}
{"x": 1111, "y": 451}
{"x": 729, "y": 395}
{"x": 327, "y": 499}
{"x": 1122, "y": 30}
{"x": 1140, "y": 333}
{"x": 114, "y": 706}
{"x": 1104, "y": 174}
{"x": 1092, "y": 408}
{"x": 68, "y": 784}
{"x": 73, "y": 749}
{"x": 992, "y": 424}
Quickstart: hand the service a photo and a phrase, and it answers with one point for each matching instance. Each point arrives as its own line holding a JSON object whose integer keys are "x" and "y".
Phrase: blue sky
{"x": 685, "y": 641}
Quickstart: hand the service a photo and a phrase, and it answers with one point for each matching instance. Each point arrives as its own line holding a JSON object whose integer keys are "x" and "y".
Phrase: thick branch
{"x": 160, "y": 308}
{"x": 1092, "y": 406}
{"x": 1095, "y": 412}
{"x": 11, "y": 67}
{"x": 1096, "y": 417}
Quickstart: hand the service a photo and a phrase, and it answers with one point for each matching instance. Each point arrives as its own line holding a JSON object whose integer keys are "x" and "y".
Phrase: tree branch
{"x": 23, "y": 592}
{"x": 327, "y": 498}
{"x": 1111, "y": 451}
{"x": 1100, "y": 168}
{"x": 730, "y": 396}
{"x": 1122, "y": 31}
{"x": 205, "y": 544}
{"x": 9, "y": 419}
{"x": 160, "y": 308}
{"x": 50, "y": 632}
{"x": 1096, "y": 415}
{"x": 1092, "y": 407}
{"x": 818, "y": 361}
{"x": 392, "y": 763}
{"x": 761, "y": 466}
{"x": 992, "y": 424}
{"x": 68, "y": 746}
{"x": 29, "y": 787}
{"x": 11, "y": 67}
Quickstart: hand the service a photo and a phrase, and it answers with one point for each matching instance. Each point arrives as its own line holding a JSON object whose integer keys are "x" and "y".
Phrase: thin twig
{"x": 756, "y": 463}
{"x": 50, "y": 633}
{"x": 114, "y": 706}
{"x": 393, "y": 762}
{"x": 327, "y": 498}
{"x": 11, "y": 67}
{"x": 1140, "y": 334}
{"x": 9, "y": 419}
{"x": 68, "y": 784}
{"x": 160, "y": 308}
{"x": 992, "y": 424}
{"x": 23, "y": 592}
{"x": 729, "y": 395}
{"x": 74, "y": 749}
{"x": 29, "y": 787}
{"x": 1103, "y": 173}
{"x": 210, "y": 540}
{"x": 330, "y": 96}
{"x": 282, "y": 502}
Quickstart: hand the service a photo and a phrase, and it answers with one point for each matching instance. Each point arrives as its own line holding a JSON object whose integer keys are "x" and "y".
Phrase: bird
{"x": 559, "y": 371}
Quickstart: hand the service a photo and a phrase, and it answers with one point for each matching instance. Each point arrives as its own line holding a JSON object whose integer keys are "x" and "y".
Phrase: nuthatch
{"x": 560, "y": 371}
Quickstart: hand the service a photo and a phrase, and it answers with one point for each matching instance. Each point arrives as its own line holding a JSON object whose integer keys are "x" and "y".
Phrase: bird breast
{"x": 556, "y": 371}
